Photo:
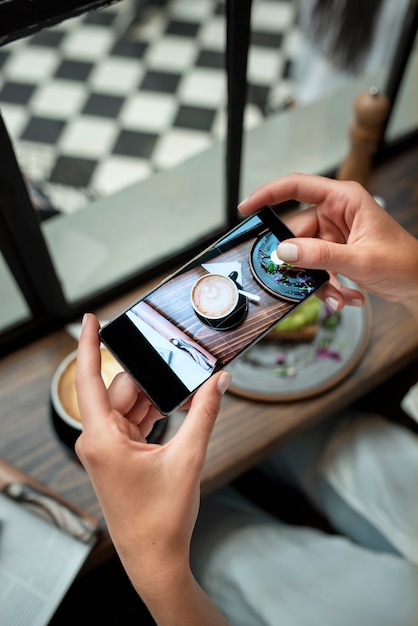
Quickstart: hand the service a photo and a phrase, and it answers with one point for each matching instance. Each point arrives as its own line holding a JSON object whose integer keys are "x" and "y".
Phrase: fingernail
{"x": 332, "y": 303}
{"x": 83, "y": 320}
{"x": 288, "y": 252}
{"x": 356, "y": 302}
{"x": 380, "y": 201}
{"x": 224, "y": 382}
{"x": 242, "y": 202}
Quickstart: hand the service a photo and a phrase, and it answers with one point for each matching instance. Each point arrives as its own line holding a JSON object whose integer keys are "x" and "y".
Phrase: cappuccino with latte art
{"x": 214, "y": 296}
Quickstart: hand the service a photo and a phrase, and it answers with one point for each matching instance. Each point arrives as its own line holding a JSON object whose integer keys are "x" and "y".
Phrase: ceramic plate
{"x": 276, "y": 371}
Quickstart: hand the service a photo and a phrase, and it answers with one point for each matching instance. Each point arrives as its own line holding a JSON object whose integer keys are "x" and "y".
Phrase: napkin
{"x": 224, "y": 269}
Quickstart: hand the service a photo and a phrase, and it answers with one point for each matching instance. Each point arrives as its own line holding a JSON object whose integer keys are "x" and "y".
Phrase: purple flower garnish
{"x": 281, "y": 358}
{"x": 327, "y": 353}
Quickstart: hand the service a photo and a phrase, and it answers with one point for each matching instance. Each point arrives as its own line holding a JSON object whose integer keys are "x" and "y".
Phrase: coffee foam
{"x": 214, "y": 296}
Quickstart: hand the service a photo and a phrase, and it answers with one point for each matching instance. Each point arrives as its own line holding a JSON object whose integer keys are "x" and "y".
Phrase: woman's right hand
{"x": 345, "y": 232}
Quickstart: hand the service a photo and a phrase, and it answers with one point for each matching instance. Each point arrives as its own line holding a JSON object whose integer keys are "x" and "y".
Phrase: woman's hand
{"x": 345, "y": 232}
{"x": 149, "y": 493}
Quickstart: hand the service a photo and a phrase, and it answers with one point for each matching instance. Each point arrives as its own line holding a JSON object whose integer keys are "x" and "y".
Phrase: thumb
{"x": 197, "y": 427}
{"x": 319, "y": 254}
{"x": 336, "y": 258}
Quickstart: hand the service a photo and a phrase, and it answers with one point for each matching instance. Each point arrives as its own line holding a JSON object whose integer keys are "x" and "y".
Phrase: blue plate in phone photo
{"x": 279, "y": 279}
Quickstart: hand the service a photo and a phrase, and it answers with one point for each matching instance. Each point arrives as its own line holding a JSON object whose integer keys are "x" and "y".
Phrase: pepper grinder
{"x": 371, "y": 109}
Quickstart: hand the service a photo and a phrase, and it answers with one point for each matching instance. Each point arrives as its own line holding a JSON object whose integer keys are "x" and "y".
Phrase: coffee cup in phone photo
{"x": 214, "y": 297}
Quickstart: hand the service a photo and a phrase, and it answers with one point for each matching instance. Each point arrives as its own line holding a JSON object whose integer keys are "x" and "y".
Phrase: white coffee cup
{"x": 63, "y": 393}
{"x": 214, "y": 296}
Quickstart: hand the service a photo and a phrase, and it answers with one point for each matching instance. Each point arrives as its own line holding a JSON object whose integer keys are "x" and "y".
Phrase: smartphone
{"x": 209, "y": 311}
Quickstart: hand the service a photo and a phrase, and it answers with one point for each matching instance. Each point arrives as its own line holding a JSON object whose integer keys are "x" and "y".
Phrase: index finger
{"x": 307, "y": 188}
{"x": 92, "y": 395}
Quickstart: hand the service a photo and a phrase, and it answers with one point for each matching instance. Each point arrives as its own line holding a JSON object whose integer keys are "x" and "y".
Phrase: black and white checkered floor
{"x": 102, "y": 101}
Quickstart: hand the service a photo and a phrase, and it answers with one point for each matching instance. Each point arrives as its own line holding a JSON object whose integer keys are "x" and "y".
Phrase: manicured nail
{"x": 224, "y": 382}
{"x": 356, "y": 302}
{"x": 332, "y": 303}
{"x": 288, "y": 252}
{"x": 380, "y": 201}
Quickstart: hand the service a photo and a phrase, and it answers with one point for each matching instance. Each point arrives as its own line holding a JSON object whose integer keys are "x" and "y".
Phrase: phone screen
{"x": 209, "y": 311}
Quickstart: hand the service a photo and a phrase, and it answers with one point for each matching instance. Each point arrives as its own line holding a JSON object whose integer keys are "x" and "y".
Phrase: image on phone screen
{"x": 210, "y": 311}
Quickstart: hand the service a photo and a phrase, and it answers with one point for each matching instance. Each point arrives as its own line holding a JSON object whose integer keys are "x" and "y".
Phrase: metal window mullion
{"x": 238, "y": 30}
{"x": 21, "y": 240}
{"x": 399, "y": 63}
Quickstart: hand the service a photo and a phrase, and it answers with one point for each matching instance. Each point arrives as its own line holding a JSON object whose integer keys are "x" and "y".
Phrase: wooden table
{"x": 246, "y": 431}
